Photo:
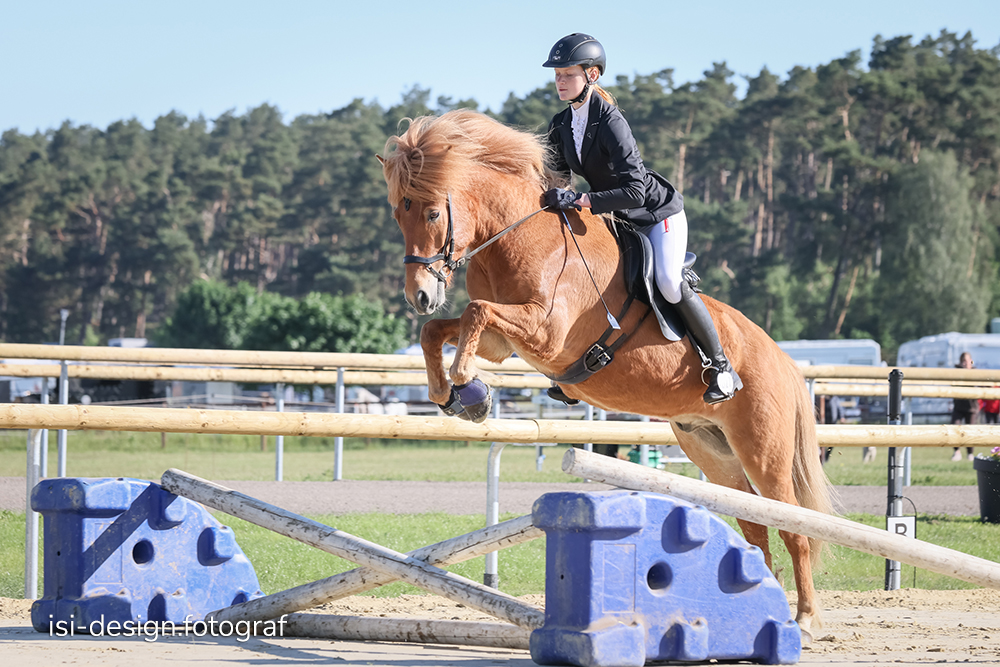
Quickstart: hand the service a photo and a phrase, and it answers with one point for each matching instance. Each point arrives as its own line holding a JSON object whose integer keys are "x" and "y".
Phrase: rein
{"x": 450, "y": 263}
{"x": 599, "y": 355}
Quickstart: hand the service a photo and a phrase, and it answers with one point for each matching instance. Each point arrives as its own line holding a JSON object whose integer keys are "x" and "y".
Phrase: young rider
{"x": 592, "y": 138}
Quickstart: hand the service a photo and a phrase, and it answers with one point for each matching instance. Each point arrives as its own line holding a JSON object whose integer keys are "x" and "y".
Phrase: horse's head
{"x": 443, "y": 157}
{"x": 427, "y": 237}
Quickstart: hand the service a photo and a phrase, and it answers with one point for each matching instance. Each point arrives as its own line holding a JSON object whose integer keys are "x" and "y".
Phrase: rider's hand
{"x": 557, "y": 198}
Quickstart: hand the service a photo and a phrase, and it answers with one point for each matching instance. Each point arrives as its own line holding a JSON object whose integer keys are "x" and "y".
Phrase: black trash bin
{"x": 988, "y": 477}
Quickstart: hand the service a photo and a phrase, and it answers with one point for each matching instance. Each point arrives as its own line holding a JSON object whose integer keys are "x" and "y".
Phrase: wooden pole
{"x": 354, "y": 582}
{"x": 173, "y": 420}
{"x": 321, "y": 360}
{"x": 779, "y": 515}
{"x": 318, "y": 424}
{"x": 354, "y": 549}
{"x": 418, "y": 631}
{"x": 260, "y": 358}
{"x": 252, "y": 375}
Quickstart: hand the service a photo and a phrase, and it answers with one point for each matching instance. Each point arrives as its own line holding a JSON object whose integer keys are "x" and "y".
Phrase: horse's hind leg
{"x": 768, "y": 458}
{"x": 708, "y": 449}
{"x": 433, "y": 336}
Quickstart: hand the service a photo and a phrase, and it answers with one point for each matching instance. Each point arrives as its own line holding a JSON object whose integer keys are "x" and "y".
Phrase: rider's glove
{"x": 557, "y": 198}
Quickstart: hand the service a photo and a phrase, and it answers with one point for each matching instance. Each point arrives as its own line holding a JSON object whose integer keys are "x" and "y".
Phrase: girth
{"x": 637, "y": 254}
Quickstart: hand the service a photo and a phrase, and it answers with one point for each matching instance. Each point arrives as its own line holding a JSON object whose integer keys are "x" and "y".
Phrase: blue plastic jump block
{"x": 635, "y": 577}
{"x": 127, "y": 550}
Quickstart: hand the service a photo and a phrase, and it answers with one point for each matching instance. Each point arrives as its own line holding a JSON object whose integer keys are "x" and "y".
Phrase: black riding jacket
{"x": 618, "y": 180}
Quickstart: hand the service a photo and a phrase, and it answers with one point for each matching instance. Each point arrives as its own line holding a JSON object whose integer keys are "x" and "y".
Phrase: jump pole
{"x": 353, "y": 582}
{"x": 413, "y": 630}
{"x": 241, "y": 422}
{"x": 780, "y": 515}
{"x": 354, "y": 549}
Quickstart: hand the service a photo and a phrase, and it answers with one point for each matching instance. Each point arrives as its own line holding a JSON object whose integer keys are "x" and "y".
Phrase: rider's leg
{"x": 669, "y": 240}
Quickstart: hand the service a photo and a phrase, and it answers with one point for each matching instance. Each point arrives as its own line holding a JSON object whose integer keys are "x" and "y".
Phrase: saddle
{"x": 640, "y": 279}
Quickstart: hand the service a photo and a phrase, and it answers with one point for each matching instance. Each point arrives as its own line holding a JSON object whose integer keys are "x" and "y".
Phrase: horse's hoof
{"x": 476, "y": 399}
{"x": 806, "y": 627}
{"x": 453, "y": 406}
{"x": 477, "y": 414}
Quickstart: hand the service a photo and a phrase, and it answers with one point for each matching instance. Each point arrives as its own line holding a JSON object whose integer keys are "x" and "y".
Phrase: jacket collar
{"x": 597, "y": 110}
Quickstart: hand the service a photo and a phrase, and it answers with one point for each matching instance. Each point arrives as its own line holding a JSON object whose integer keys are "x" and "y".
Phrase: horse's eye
{"x": 406, "y": 204}
{"x": 433, "y": 216}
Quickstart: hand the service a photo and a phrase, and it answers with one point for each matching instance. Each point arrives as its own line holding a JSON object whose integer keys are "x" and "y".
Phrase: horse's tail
{"x": 812, "y": 487}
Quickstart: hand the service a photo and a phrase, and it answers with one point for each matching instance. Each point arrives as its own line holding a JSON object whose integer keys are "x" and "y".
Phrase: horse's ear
{"x": 380, "y": 160}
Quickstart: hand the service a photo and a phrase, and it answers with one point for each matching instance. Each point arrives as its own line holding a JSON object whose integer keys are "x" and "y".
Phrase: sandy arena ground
{"x": 908, "y": 627}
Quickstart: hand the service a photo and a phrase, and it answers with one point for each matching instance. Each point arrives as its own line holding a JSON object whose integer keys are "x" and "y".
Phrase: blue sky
{"x": 97, "y": 61}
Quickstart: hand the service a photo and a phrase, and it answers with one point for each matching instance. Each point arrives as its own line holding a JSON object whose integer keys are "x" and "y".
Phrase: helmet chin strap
{"x": 583, "y": 93}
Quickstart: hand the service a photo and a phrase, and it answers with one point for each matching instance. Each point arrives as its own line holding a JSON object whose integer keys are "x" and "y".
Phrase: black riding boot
{"x": 718, "y": 374}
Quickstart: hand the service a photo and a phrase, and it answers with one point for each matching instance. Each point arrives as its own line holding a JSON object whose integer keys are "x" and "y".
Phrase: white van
{"x": 848, "y": 352}
{"x": 943, "y": 351}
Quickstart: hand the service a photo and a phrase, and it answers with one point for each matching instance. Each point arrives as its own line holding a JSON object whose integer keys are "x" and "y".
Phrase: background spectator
{"x": 963, "y": 410}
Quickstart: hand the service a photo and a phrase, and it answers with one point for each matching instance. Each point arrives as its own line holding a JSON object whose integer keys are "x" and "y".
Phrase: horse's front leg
{"x": 433, "y": 336}
{"x": 521, "y": 323}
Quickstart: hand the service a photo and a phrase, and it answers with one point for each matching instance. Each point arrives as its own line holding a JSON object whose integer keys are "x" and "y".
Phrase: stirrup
{"x": 723, "y": 383}
{"x": 555, "y": 392}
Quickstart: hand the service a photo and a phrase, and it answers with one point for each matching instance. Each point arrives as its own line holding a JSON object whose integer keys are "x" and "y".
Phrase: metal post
{"x": 44, "y": 464}
{"x": 644, "y": 449}
{"x": 63, "y": 400}
{"x": 907, "y": 451}
{"x": 539, "y": 452}
{"x": 491, "y": 577}
{"x": 895, "y": 476}
{"x": 338, "y": 442}
{"x": 32, "y": 478}
{"x": 589, "y": 446}
{"x": 279, "y": 440}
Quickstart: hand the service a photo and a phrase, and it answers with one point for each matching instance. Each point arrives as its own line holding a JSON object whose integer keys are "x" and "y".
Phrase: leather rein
{"x": 599, "y": 355}
{"x": 448, "y": 249}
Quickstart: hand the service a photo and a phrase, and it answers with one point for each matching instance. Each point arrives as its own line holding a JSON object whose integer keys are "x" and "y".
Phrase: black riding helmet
{"x": 577, "y": 49}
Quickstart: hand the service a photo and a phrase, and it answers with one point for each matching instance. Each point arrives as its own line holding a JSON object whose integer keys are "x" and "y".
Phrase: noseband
{"x": 448, "y": 249}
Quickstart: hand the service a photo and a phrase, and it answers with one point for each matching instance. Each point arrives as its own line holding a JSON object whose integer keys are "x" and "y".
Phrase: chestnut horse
{"x": 465, "y": 176}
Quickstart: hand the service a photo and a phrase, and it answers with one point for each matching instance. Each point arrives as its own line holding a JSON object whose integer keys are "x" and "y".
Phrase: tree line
{"x": 858, "y": 198}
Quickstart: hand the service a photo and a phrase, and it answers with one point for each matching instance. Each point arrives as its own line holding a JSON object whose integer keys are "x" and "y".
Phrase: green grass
{"x": 140, "y": 455}
{"x": 930, "y": 466}
{"x": 282, "y": 563}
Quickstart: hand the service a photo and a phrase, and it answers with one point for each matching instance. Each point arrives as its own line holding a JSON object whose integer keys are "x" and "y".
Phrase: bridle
{"x": 448, "y": 249}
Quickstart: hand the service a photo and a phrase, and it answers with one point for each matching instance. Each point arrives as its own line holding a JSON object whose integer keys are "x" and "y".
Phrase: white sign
{"x": 902, "y": 525}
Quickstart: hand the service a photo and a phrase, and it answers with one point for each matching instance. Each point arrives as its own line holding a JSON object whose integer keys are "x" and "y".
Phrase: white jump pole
{"x": 779, "y": 515}
{"x": 414, "y": 630}
{"x": 355, "y": 549}
{"x": 454, "y": 550}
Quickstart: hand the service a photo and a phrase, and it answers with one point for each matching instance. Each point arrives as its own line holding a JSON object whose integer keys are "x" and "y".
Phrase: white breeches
{"x": 669, "y": 239}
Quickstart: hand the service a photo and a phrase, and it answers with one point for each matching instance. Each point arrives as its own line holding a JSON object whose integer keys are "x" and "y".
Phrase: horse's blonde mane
{"x": 440, "y": 154}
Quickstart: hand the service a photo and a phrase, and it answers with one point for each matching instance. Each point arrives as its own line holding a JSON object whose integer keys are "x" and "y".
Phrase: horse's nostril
{"x": 422, "y": 300}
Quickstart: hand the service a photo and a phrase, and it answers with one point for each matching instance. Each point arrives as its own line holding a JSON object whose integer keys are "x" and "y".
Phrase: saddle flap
{"x": 637, "y": 253}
